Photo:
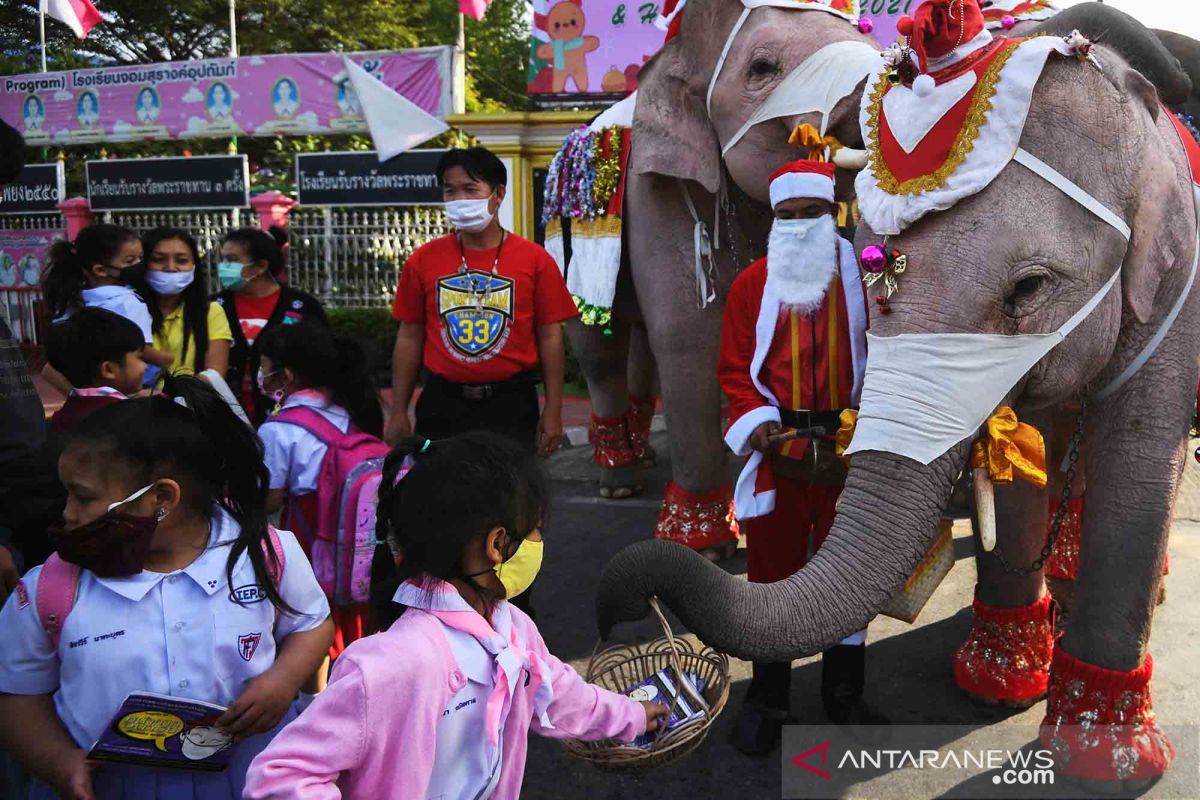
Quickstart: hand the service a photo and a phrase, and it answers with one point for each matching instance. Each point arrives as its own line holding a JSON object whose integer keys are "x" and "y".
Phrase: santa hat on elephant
{"x": 935, "y": 30}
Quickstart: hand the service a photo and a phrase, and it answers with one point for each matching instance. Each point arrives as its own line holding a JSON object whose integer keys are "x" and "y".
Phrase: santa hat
{"x": 670, "y": 18}
{"x": 936, "y": 29}
{"x": 802, "y": 179}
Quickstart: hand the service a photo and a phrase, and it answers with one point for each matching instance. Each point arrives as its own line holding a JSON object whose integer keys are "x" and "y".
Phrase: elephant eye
{"x": 1022, "y": 295}
{"x": 763, "y": 67}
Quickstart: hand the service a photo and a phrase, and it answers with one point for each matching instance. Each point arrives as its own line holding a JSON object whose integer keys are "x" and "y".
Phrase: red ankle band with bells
{"x": 639, "y": 416}
{"x": 697, "y": 520}
{"x": 610, "y": 442}
{"x": 1006, "y": 656}
{"x": 1100, "y": 722}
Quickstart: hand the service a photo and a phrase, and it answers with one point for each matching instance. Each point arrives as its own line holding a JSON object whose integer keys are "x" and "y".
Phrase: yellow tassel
{"x": 1010, "y": 449}
{"x": 807, "y": 136}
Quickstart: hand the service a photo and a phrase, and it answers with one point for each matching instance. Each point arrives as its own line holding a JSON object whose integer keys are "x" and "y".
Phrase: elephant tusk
{"x": 849, "y": 158}
{"x": 985, "y": 508}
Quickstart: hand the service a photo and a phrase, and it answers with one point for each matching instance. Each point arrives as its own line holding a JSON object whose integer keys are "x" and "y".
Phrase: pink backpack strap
{"x": 310, "y": 420}
{"x": 274, "y": 568}
{"x": 58, "y": 585}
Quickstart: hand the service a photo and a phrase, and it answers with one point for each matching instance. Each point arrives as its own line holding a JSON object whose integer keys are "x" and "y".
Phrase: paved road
{"x": 908, "y": 670}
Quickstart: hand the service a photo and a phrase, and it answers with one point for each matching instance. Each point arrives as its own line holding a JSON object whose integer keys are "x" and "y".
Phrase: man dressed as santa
{"x": 793, "y": 350}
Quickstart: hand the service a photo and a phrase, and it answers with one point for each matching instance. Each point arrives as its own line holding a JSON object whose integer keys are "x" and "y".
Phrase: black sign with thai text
{"x": 37, "y": 189}
{"x": 144, "y": 184}
{"x": 358, "y": 179}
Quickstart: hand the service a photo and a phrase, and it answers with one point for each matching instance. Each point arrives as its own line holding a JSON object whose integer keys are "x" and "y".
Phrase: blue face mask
{"x": 229, "y": 275}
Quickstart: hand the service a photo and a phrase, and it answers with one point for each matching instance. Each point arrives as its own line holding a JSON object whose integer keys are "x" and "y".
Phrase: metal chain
{"x": 1060, "y": 514}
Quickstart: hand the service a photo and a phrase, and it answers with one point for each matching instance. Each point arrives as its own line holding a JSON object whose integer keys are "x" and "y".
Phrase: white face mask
{"x": 802, "y": 260}
{"x": 471, "y": 216}
{"x": 170, "y": 283}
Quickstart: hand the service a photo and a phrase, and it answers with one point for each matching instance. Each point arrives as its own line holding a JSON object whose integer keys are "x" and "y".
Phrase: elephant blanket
{"x": 586, "y": 184}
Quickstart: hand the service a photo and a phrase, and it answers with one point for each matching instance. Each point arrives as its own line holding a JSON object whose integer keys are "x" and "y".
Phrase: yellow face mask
{"x": 517, "y": 573}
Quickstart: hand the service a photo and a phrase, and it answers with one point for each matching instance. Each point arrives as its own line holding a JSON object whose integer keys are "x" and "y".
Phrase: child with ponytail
{"x": 441, "y": 704}
{"x": 180, "y": 588}
{"x": 99, "y": 270}
{"x": 306, "y": 369}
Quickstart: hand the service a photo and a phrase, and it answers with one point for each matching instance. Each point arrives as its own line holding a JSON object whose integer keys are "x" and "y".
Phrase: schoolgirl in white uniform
{"x": 308, "y": 365}
{"x": 181, "y": 591}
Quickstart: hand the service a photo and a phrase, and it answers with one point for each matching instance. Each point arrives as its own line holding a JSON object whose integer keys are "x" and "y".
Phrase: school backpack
{"x": 343, "y": 543}
{"x": 58, "y": 586}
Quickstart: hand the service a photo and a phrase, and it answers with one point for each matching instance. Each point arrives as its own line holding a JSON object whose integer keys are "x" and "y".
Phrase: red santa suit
{"x": 774, "y": 357}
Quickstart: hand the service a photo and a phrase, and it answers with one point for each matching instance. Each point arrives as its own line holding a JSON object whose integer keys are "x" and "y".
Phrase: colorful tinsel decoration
{"x": 581, "y": 179}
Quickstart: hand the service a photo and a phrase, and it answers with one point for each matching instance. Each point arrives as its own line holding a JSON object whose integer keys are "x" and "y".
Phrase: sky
{"x": 1181, "y": 16}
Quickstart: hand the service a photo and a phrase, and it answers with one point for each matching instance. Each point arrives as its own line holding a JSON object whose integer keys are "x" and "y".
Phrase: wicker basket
{"x": 621, "y": 667}
{"x": 929, "y": 574}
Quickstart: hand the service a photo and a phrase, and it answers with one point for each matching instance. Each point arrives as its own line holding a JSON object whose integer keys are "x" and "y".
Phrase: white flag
{"x": 396, "y": 123}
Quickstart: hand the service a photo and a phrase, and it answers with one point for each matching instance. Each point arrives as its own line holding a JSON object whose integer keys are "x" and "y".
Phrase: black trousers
{"x": 511, "y": 410}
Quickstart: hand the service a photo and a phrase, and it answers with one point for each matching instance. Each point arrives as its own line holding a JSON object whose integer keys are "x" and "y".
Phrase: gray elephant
{"x": 1106, "y": 257}
{"x": 681, "y": 162}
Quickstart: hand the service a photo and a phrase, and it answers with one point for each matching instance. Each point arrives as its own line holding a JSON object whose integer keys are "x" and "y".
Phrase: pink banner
{"x": 883, "y": 15}
{"x": 591, "y": 46}
{"x": 294, "y": 94}
{"x": 22, "y": 254}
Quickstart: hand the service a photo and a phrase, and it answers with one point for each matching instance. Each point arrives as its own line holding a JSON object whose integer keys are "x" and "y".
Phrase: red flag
{"x": 474, "y": 9}
{"x": 79, "y": 15}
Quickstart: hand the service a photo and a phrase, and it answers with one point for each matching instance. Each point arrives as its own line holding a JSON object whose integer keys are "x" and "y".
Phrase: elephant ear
{"x": 1154, "y": 245}
{"x": 672, "y": 132}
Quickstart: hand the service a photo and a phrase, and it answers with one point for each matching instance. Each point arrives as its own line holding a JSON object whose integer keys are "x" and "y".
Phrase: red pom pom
{"x": 904, "y": 26}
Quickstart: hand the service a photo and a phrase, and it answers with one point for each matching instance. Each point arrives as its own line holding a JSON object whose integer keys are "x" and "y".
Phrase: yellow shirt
{"x": 170, "y": 337}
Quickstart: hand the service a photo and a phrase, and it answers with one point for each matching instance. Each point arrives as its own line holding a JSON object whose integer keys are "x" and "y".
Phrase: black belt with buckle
{"x": 811, "y": 423}
{"x": 486, "y": 391}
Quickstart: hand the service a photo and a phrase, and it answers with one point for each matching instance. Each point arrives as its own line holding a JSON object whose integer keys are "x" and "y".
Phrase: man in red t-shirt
{"x": 481, "y": 311}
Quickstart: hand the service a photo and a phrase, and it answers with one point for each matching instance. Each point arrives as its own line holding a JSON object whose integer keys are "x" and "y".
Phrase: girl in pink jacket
{"x": 440, "y": 704}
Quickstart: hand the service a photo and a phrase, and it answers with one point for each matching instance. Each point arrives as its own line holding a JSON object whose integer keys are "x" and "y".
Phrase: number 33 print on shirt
{"x": 476, "y": 310}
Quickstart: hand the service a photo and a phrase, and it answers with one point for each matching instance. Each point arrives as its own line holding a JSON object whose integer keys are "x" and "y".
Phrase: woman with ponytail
{"x": 99, "y": 270}
{"x": 180, "y": 588}
{"x": 256, "y": 299}
{"x": 442, "y": 702}
{"x": 309, "y": 367}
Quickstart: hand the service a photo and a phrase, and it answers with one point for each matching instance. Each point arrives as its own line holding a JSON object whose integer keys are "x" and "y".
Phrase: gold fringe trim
{"x": 554, "y": 227}
{"x": 963, "y": 144}
{"x": 598, "y": 228}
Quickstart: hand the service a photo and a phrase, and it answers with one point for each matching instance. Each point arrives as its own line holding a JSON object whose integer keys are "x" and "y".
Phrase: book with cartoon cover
{"x": 157, "y": 730}
{"x": 661, "y": 687}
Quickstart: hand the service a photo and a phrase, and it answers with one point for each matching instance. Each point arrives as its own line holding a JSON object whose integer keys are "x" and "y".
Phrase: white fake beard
{"x": 800, "y": 265}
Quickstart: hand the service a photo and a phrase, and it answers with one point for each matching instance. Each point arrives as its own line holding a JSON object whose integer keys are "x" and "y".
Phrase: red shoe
{"x": 1100, "y": 722}
{"x": 610, "y": 442}
{"x": 1006, "y": 657}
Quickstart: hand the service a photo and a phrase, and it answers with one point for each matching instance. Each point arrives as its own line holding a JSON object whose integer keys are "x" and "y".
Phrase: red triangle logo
{"x": 800, "y": 760}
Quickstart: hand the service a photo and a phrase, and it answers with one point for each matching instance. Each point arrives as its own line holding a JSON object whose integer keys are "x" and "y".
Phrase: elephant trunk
{"x": 887, "y": 518}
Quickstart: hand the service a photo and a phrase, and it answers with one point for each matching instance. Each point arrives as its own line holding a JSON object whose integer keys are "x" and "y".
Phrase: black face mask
{"x": 133, "y": 275}
{"x": 113, "y": 545}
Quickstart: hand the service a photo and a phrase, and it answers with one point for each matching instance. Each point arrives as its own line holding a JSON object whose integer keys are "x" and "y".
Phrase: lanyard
{"x": 480, "y": 296}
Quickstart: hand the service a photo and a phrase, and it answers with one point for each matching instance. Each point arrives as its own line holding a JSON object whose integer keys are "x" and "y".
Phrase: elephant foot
{"x": 610, "y": 442}
{"x": 698, "y": 521}
{"x": 718, "y": 554}
{"x": 618, "y": 483}
{"x": 1100, "y": 725}
{"x": 1006, "y": 657}
{"x": 638, "y": 420}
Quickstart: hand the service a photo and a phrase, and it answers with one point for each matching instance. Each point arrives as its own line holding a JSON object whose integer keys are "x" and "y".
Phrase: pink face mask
{"x": 277, "y": 395}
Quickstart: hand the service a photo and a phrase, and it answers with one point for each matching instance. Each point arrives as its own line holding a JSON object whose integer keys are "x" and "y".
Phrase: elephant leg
{"x": 1006, "y": 657}
{"x": 642, "y": 399}
{"x": 602, "y": 358}
{"x": 698, "y": 507}
{"x": 1100, "y": 675}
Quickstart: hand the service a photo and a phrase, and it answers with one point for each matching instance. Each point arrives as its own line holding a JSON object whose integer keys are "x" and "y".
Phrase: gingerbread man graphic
{"x": 568, "y": 48}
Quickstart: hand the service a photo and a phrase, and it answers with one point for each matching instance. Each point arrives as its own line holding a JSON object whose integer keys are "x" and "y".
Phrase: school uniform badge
{"x": 248, "y": 644}
{"x": 476, "y": 309}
